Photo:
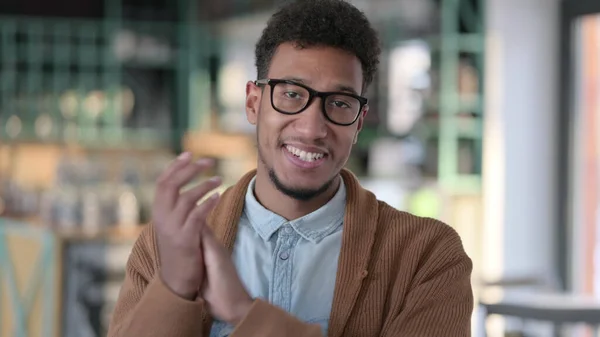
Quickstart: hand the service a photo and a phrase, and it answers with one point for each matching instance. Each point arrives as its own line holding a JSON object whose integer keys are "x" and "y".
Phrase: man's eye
{"x": 340, "y": 104}
{"x": 292, "y": 94}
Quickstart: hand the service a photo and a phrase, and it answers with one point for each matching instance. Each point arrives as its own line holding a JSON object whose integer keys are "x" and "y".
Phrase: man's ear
{"x": 253, "y": 95}
{"x": 360, "y": 123}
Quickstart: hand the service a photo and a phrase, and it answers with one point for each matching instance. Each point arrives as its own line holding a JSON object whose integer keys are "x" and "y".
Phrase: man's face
{"x": 303, "y": 153}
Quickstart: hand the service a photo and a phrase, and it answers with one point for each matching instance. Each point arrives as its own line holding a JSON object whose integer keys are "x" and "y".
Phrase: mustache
{"x": 316, "y": 143}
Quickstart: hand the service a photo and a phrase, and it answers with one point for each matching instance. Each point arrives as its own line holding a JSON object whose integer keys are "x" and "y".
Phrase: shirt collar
{"x": 313, "y": 227}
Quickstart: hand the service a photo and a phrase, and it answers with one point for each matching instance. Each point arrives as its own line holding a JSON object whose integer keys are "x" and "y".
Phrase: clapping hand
{"x": 193, "y": 262}
{"x": 223, "y": 292}
{"x": 179, "y": 223}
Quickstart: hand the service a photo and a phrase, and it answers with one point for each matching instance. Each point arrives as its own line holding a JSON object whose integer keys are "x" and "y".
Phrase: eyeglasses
{"x": 290, "y": 98}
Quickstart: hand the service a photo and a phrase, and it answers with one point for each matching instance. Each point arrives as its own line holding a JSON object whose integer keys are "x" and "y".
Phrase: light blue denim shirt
{"x": 290, "y": 264}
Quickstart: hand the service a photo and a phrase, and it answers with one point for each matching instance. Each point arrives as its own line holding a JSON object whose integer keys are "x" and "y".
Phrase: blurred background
{"x": 485, "y": 114}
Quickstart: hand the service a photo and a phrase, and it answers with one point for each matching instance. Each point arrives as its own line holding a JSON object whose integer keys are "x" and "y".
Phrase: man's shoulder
{"x": 397, "y": 219}
{"x": 418, "y": 234}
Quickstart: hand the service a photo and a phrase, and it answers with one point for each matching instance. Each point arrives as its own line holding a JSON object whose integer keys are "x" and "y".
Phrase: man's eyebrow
{"x": 346, "y": 88}
{"x": 339, "y": 87}
{"x": 295, "y": 79}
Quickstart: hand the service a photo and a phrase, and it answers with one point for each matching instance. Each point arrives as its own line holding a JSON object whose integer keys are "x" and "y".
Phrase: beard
{"x": 300, "y": 194}
{"x": 297, "y": 193}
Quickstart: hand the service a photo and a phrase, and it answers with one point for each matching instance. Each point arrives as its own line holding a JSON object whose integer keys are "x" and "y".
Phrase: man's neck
{"x": 279, "y": 203}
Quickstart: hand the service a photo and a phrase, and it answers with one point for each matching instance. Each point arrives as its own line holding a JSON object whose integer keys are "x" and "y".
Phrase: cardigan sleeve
{"x": 266, "y": 320}
{"x": 146, "y": 306}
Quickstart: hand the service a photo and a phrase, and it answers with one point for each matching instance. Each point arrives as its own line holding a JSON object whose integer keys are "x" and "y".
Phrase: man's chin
{"x": 298, "y": 191}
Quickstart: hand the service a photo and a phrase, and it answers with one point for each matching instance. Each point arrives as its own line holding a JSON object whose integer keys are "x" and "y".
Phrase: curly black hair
{"x": 332, "y": 23}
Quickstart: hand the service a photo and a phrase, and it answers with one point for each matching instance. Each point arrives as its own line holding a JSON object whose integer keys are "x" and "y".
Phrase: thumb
{"x": 211, "y": 247}
{"x": 208, "y": 237}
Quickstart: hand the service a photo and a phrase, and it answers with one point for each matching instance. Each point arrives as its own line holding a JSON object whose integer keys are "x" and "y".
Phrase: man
{"x": 297, "y": 247}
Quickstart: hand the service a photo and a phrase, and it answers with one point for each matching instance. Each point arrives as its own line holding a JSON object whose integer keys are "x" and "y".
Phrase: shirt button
{"x": 284, "y": 255}
{"x": 287, "y": 230}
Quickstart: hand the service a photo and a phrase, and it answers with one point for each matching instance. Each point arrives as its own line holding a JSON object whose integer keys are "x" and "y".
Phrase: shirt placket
{"x": 281, "y": 291}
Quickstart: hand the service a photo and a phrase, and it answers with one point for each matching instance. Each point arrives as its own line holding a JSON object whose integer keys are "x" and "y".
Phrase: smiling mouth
{"x": 308, "y": 157}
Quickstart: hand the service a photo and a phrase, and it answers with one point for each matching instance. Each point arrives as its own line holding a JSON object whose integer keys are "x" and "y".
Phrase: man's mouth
{"x": 304, "y": 155}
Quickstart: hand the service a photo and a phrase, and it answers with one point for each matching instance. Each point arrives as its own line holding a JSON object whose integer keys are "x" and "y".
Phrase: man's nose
{"x": 311, "y": 123}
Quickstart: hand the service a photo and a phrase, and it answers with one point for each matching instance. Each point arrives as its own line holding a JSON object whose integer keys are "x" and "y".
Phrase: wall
{"x": 520, "y": 144}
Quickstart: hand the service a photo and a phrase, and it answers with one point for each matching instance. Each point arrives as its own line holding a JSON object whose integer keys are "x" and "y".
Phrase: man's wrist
{"x": 186, "y": 293}
{"x": 241, "y": 311}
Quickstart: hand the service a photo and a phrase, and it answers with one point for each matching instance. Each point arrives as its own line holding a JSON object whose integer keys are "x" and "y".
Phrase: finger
{"x": 170, "y": 185}
{"x": 181, "y": 161}
{"x": 197, "y": 217}
{"x": 189, "y": 199}
{"x": 167, "y": 197}
{"x": 183, "y": 176}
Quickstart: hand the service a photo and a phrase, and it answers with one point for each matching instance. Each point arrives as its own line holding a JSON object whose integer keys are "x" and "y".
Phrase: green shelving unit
{"x": 452, "y": 121}
{"x": 103, "y": 82}
{"x": 462, "y": 38}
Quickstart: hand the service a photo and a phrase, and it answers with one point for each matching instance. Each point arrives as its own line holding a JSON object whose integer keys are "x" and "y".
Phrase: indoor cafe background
{"x": 484, "y": 114}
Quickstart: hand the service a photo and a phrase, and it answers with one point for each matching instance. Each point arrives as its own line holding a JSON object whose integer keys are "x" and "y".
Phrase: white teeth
{"x": 306, "y": 156}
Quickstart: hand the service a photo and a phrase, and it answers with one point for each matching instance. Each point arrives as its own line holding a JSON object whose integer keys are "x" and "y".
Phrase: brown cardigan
{"x": 398, "y": 275}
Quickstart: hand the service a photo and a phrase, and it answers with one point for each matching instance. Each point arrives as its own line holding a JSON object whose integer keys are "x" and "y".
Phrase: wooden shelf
{"x": 110, "y": 233}
{"x": 220, "y": 145}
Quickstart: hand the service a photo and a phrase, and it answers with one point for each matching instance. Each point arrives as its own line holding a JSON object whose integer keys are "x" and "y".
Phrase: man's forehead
{"x": 317, "y": 65}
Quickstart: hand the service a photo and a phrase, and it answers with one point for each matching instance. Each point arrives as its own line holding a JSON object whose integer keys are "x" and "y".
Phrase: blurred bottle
{"x": 128, "y": 210}
{"x": 67, "y": 209}
{"x": 91, "y": 175}
{"x": 128, "y": 207}
{"x": 65, "y": 197}
{"x": 91, "y": 218}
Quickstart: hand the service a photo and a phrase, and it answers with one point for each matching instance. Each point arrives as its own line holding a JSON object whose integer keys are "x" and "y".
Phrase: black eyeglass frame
{"x": 312, "y": 94}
